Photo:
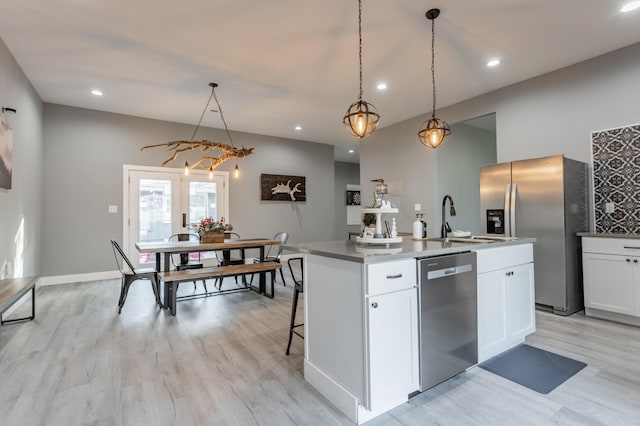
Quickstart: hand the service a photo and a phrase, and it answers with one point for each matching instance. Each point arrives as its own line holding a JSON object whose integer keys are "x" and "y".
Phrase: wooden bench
{"x": 11, "y": 290}
{"x": 171, "y": 279}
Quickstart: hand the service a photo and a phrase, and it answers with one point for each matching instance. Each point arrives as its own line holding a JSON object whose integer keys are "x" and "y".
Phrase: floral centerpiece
{"x": 210, "y": 230}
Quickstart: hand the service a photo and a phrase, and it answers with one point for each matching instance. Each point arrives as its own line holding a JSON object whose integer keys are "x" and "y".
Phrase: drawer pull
{"x": 374, "y": 305}
{"x": 393, "y": 277}
{"x": 631, "y": 247}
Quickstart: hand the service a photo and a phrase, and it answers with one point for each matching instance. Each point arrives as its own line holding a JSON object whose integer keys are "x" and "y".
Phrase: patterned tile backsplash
{"x": 616, "y": 179}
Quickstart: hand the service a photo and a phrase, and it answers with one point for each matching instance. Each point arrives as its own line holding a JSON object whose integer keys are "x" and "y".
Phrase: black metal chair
{"x": 133, "y": 274}
{"x": 184, "y": 260}
{"x": 228, "y": 260}
{"x": 269, "y": 257}
{"x": 298, "y": 287}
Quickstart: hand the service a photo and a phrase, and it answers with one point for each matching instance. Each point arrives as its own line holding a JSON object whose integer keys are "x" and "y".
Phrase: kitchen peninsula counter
{"x": 361, "y": 314}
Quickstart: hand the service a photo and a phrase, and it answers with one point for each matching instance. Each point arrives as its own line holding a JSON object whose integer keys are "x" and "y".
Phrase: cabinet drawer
{"x": 492, "y": 259}
{"x": 623, "y": 246}
{"x": 391, "y": 276}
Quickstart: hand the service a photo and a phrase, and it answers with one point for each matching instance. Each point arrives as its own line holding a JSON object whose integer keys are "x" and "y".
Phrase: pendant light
{"x": 361, "y": 117}
{"x": 434, "y": 130}
{"x": 207, "y": 161}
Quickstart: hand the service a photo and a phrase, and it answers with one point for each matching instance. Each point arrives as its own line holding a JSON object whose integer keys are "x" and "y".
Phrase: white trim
{"x": 341, "y": 398}
{"x": 128, "y": 167}
{"x": 286, "y": 257}
{"x": 77, "y": 278}
{"x": 126, "y": 173}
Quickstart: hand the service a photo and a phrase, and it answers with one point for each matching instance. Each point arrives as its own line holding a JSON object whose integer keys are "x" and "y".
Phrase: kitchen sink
{"x": 469, "y": 240}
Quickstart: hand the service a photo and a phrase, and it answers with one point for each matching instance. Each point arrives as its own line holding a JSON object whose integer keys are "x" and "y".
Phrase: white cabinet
{"x": 611, "y": 276}
{"x": 392, "y": 324}
{"x": 361, "y": 333}
{"x": 608, "y": 282}
{"x": 393, "y": 348}
{"x": 506, "y": 298}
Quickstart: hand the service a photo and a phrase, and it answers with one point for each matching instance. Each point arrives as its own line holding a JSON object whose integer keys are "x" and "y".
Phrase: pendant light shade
{"x": 433, "y": 131}
{"x": 361, "y": 117}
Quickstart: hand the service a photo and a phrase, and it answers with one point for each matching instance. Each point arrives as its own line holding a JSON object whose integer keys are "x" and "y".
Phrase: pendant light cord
{"x": 226, "y": 128}
{"x": 433, "y": 69}
{"x": 202, "y": 116}
{"x": 360, "y": 44}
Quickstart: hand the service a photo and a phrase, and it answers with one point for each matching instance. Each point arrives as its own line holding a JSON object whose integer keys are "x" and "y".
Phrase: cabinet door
{"x": 393, "y": 347}
{"x": 608, "y": 283}
{"x": 520, "y": 293}
{"x": 492, "y": 314}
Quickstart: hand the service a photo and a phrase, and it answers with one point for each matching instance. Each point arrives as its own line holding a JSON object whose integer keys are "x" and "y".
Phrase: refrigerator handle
{"x": 512, "y": 210}
{"x": 507, "y": 215}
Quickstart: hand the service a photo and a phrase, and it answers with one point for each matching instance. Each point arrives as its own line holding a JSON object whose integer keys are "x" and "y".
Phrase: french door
{"x": 160, "y": 202}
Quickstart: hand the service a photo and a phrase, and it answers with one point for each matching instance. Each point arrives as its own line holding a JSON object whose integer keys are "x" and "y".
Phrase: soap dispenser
{"x": 417, "y": 227}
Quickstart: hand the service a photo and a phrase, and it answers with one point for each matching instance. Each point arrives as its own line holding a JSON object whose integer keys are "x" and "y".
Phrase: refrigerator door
{"x": 539, "y": 212}
{"x": 495, "y": 183}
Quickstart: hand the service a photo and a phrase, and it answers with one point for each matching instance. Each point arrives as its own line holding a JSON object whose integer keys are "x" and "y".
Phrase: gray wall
{"x": 551, "y": 114}
{"x": 345, "y": 173}
{"x": 459, "y": 162}
{"x": 84, "y": 154}
{"x": 21, "y": 206}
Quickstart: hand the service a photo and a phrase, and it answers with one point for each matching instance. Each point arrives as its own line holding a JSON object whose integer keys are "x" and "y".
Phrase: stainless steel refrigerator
{"x": 545, "y": 198}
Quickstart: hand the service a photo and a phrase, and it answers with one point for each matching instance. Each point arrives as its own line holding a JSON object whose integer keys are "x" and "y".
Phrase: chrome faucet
{"x": 452, "y": 211}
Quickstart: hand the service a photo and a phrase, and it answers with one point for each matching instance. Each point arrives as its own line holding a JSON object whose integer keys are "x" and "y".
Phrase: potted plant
{"x": 369, "y": 219}
{"x": 210, "y": 230}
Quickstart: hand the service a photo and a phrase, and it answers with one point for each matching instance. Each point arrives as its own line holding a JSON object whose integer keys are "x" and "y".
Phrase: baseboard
{"x": 342, "y": 399}
{"x": 285, "y": 257}
{"x": 612, "y": 316}
{"x": 78, "y": 278}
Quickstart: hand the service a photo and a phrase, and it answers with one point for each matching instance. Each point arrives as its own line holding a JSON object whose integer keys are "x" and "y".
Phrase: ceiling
{"x": 283, "y": 63}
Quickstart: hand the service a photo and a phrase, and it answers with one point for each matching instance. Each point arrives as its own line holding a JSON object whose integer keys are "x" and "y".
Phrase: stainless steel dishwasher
{"x": 448, "y": 316}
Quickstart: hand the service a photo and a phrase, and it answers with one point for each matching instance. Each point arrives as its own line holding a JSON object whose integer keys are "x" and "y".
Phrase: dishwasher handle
{"x": 448, "y": 272}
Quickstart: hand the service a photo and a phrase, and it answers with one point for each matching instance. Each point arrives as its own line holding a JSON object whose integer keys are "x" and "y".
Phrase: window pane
{"x": 202, "y": 201}
{"x": 155, "y": 212}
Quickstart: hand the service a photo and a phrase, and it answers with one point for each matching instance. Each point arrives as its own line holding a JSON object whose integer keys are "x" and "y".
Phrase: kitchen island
{"x": 362, "y": 309}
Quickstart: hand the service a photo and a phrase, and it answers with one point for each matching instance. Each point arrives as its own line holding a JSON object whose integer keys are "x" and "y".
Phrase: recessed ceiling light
{"x": 493, "y": 63}
{"x": 351, "y": 151}
{"x": 382, "y": 86}
{"x": 96, "y": 92}
{"x": 628, "y": 7}
{"x": 298, "y": 127}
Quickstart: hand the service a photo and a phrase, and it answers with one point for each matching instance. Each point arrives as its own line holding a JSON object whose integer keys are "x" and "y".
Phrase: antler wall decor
{"x": 205, "y": 146}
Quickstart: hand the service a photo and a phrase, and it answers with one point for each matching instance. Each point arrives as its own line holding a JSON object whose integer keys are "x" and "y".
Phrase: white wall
{"x": 551, "y": 114}
{"x": 84, "y": 154}
{"x": 21, "y": 206}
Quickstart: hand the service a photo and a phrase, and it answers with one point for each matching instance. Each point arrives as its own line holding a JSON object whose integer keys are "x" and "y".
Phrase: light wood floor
{"x": 221, "y": 362}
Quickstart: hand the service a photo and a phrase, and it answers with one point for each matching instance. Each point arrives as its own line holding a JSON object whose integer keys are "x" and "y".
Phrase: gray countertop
{"x": 604, "y": 235}
{"x": 366, "y": 253}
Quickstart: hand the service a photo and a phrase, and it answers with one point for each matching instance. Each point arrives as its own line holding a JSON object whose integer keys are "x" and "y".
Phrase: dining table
{"x": 166, "y": 249}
